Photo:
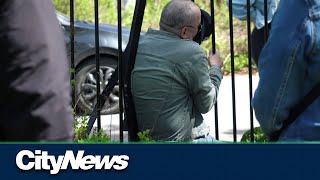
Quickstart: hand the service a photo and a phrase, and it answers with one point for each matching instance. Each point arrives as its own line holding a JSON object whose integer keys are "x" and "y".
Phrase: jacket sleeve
{"x": 205, "y": 84}
{"x": 282, "y": 70}
{"x": 239, "y": 9}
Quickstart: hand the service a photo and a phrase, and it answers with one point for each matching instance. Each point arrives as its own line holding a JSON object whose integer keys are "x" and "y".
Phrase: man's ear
{"x": 183, "y": 33}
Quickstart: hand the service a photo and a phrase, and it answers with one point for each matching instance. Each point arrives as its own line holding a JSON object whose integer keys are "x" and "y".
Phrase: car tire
{"x": 85, "y": 87}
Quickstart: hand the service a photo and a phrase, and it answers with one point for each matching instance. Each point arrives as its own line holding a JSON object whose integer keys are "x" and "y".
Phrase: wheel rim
{"x": 88, "y": 88}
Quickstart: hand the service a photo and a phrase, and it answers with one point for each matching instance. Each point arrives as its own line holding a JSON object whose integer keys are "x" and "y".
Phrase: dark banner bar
{"x": 160, "y": 161}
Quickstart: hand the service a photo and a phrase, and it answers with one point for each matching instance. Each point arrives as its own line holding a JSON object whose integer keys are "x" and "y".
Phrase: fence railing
{"x": 120, "y": 64}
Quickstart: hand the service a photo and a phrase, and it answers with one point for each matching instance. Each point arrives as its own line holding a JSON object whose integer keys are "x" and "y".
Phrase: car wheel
{"x": 86, "y": 82}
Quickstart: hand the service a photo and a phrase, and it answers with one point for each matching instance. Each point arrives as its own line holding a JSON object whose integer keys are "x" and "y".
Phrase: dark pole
{"x": 96, "y": 20}
{"x": 266, "y": 29}
{"x": 250, "y": 69}
{"x": 232, "y": 73}
{"x": 214, "y": 51}
{"x": 120, "y": 65}
{"x": 72, "y": 50}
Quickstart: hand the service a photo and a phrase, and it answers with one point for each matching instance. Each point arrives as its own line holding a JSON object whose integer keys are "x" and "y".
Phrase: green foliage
{"x": 145, "y": 136}
{"x": 84, "y": 10}
{"x": 259, "y": 136}
{"x": 80, "y": 125}
{"x": 72, "y": 70}
{"x": 97, "y": 136}
{"x": 222, "y": 35}
{"x": 240, "y": 63}
{"x": 81, "y": 135}
{"x": 73, "y": 83}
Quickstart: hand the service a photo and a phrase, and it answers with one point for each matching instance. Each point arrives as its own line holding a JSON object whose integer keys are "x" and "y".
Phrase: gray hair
{"x": 176, "y": 14}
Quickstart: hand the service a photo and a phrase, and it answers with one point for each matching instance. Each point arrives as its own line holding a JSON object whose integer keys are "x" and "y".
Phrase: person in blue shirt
{"x": 289, "y": 67}
{"x": 239, "y": 10}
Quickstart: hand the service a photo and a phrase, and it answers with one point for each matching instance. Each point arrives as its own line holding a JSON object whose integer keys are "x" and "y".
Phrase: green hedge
{"x": 259, "y": 136}
{"x": 84, "y": 10}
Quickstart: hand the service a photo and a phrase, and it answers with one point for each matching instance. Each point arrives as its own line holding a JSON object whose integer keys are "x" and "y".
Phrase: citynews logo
{"x": 40, "y": 160}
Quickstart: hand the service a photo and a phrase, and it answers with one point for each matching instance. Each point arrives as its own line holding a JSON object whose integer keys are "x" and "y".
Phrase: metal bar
{"x": 96, "y": 21}
{"x": 232, "y": 74}
{"x": 129, "y": 57}
{"x": 266, "y": 29}
{"x": 214, "y": 51}
{"x": 72, "y": 75}
{"x": 250, "y": 69}
{"x": 120, "y": 65}
{"x": 103, "y": 98}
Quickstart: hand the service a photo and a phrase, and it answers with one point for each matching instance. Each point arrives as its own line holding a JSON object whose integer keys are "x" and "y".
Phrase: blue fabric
{"x": 239, "y": 10}
{"x": 289, "y": 67}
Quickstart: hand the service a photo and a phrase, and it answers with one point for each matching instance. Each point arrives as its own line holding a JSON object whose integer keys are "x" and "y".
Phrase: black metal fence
{"x": 120, "y": 64}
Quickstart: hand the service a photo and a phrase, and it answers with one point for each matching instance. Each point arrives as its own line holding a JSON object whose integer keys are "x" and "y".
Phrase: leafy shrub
{"x": 240, "y": 64}
{"x": 81, "y": 135}
{"x": 259, "y": 136}
{"x": 145, "y": 136}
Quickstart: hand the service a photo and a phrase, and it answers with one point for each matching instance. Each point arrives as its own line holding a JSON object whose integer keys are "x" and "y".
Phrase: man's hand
{"x": 215, "y": 59}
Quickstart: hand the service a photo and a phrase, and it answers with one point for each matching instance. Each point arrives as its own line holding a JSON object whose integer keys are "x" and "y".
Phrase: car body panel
{"x": 84, "y": 53}
{"x": 85, "y": 38}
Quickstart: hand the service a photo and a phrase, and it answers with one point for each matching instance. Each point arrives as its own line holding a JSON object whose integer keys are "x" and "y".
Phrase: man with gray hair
{"x": 171, "y": 82}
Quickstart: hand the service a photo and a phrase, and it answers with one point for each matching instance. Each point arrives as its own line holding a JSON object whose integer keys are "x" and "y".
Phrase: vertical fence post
{"x": 250, "y": 69}
{"x": 96, "y": 20}
{"x": 232, "y": 74}
{"x": 72, "y": 71}
{"x": 213, "y": 43}
{"x": 266, "y": 29}
{"x": 214, "y": 51}
{"x": 120, "y": 67}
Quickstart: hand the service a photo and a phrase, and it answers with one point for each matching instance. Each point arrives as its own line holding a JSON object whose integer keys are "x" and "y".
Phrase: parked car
{"x": 85, "y": 64}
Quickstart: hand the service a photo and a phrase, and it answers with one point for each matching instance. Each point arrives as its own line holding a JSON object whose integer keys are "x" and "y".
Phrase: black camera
{"x": 206, "y": 28}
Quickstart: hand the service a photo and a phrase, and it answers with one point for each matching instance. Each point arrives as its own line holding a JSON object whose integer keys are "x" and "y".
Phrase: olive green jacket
{"x": 172, "y": 85}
